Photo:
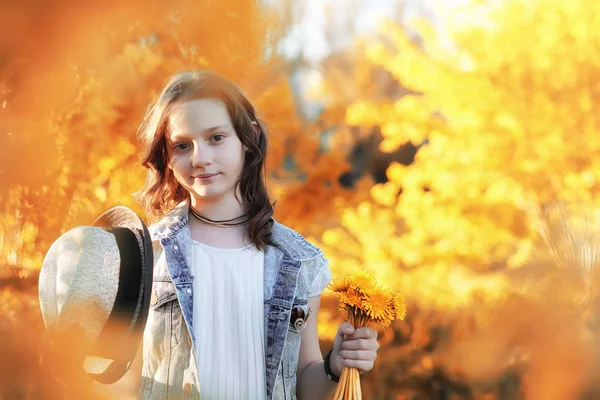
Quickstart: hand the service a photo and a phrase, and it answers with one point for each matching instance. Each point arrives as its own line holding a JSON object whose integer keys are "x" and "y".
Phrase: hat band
{"x": 121, "y": 319}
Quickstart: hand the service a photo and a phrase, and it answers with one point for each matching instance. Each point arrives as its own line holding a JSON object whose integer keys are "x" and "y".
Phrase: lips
{"x": 205, "y": 176}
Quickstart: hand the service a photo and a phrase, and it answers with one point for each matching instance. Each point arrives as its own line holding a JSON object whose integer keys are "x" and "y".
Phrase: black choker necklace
{"x": 227, "y": 223}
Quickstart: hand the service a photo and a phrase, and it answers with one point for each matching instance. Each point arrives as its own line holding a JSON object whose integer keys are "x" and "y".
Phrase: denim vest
{"x": 169, "y": 368}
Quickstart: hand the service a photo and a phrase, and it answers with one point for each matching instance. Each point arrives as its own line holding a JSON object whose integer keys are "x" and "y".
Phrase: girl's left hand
{"x": 354, "y": 348}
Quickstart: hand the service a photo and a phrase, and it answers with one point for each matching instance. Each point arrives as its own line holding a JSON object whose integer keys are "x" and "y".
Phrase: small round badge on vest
{"x": 298, "y": 317}
{"x": 97, "y": 281}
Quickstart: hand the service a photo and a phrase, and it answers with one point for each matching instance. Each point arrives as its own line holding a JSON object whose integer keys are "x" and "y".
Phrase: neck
{"x": 218, "y": 210}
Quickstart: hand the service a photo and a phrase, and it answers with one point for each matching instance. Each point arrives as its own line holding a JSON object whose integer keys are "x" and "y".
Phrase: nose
{"x": 201, "y": 156}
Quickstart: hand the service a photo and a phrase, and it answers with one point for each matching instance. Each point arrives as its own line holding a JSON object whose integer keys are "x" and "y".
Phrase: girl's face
{"x": 204, "y": 150}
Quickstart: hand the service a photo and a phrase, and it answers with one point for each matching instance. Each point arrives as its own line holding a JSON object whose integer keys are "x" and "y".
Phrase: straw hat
{"x": 99, "y": 278}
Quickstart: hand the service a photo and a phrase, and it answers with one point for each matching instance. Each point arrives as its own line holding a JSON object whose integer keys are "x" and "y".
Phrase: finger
{"x": 358, "y": 355}
{"x": 360, "y": 365}
{"x": 364, "y": 332}
{"x": 345, "y": 330}
{"x": 360, "y": 344}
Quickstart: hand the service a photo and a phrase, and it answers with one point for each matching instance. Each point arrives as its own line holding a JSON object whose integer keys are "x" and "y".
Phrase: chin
{"x": 209, "y": 194}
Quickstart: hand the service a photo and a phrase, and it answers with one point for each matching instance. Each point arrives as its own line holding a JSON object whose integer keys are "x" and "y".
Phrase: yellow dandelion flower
{"x": 343, "y": 298}
{"x": 367, "y": 303}
{"x": 350, "y": 299}
{"x": 378, "y": 304}
{"x": 399, "y": 306}
{"x": 353, "y": 298}
{"x": 380, "y": 324}
{"x": 339, "y": 285}
{"x": 362, "y": 281}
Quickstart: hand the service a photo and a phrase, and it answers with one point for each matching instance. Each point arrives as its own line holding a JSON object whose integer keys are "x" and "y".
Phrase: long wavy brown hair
{"x": 161, "y": 191}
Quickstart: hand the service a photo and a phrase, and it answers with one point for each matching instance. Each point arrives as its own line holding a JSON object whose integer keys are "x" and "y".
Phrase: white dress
{"x": 229, "y": 321}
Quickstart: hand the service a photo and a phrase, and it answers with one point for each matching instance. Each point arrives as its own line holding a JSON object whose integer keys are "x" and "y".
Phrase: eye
{"x": 180, "y": 146}
{"x": 217, "y": 138}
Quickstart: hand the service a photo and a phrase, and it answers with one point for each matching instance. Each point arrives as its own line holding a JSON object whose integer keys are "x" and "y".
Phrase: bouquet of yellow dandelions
{"x": 367, "y": 304}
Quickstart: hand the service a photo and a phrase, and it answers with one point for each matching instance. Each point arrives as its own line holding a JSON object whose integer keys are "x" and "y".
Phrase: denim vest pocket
{"x": 166, "y": 315}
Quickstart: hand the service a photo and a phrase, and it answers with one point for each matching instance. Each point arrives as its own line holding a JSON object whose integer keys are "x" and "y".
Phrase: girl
{"x": 236, "y": 295}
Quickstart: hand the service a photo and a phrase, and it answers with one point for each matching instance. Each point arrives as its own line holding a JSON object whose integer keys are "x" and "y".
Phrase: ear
{"x": 256, "y": 128}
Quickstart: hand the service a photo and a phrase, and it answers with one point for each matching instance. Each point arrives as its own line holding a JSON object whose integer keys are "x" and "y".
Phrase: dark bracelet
{"x": 328, "y": 372}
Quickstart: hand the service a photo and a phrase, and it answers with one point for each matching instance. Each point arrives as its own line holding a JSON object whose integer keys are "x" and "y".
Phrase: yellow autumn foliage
{"x": 503, "y": 105}
{"x": 69, "y": 115}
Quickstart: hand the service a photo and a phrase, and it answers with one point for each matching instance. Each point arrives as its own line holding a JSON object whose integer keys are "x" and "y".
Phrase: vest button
{"x": 187, "y": 388}
{"x": 153, "y": 299}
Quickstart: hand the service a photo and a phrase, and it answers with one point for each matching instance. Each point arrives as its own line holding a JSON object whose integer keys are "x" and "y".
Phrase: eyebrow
{"x": 175, "y": 136}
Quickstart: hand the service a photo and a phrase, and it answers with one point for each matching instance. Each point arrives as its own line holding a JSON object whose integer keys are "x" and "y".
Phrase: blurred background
{"x": 451, "y": 148}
